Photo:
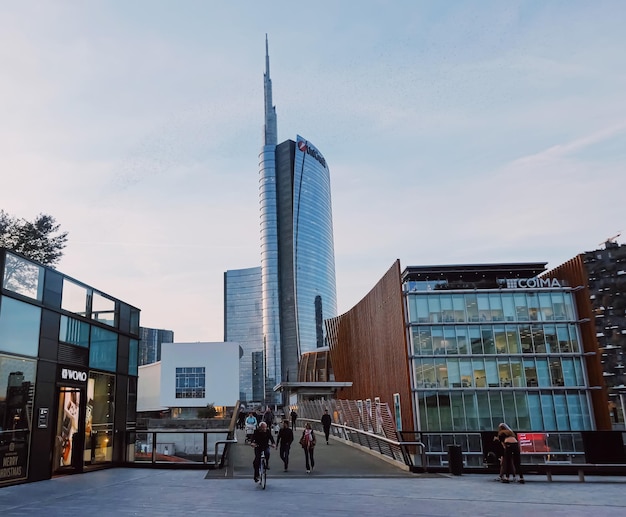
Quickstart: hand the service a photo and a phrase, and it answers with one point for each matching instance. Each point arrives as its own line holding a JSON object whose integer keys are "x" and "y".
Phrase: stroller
{"x": 250, "y": 428}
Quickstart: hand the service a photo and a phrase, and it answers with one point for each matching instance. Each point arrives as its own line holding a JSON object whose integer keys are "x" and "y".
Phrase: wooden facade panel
{"x": 368, "y": 347}
{"x": 575, "y": 273}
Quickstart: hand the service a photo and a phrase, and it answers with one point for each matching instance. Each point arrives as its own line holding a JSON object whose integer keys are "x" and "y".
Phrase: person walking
{"x": 261, "y": 440}
{"x": 511, "y": 461}
{"x": 308, "y": 445}
{"x": 326, "y": 421}
{"x": 294, "y": 417}
{"x": 284, "y": 441}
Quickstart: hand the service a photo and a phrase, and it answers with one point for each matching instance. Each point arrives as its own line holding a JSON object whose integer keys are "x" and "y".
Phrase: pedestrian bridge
{"x": 336, "y": 460}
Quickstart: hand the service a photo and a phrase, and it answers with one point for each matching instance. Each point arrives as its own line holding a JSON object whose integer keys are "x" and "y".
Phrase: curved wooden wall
{"x": 368, "y": 347}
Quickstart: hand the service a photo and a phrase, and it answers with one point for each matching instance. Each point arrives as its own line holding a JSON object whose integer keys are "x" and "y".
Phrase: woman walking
{"x": 308, "y": 444}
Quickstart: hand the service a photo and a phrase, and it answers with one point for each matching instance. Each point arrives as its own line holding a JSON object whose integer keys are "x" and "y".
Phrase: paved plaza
{"x": 345, "y": 482}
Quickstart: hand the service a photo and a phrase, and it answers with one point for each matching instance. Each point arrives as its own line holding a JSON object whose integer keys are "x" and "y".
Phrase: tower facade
{"x": 243, "y": 324}
{"x": 297, "y": 248}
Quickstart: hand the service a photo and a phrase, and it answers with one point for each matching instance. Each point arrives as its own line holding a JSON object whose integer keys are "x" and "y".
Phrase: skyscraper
{"x": 243, "y": 324}
{"x": 297, "y": 249}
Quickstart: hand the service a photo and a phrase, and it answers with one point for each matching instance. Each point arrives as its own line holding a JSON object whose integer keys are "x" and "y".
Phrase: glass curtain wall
{"x": 482, "y": 358}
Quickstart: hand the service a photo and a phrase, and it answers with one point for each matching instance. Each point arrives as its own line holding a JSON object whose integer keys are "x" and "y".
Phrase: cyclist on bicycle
{"x": 261, "y": 440}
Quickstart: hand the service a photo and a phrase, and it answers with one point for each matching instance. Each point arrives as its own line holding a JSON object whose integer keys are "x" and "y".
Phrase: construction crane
{"x": 610, "y": 239}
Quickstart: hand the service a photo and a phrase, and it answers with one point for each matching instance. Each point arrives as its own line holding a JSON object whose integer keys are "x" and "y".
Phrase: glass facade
{"x": 297, "y": 249}
{"x": 243, "y": 324}
{"x": 314, "y": 262}
{"x": 67, "y": 415}
{"x": 482, "y": 357}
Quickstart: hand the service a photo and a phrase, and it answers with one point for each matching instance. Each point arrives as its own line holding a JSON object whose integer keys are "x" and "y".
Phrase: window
{"x": 133, "y": 352}
{"x": 74, "y": 331}
{"x": 190, "y": 382}
{"x": 23, "y": 277}
{"x": 103, "y": 349}
{"x": 103, "y": 309}
{"x": 74, "y": 298}
{"x": 19, "y": 327}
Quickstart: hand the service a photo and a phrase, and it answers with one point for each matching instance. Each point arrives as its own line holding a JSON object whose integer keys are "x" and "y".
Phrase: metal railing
{"x": 402, "y": 452}
{"x": 182, "y": 446}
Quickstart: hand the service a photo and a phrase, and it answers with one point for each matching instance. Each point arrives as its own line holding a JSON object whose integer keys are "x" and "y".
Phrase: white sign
{"x": 73, "y": 375}
{"x": 514, "y": 283}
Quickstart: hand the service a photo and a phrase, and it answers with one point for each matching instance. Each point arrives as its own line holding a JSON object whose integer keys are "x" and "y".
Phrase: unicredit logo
{"x": 302, "y": 145}
{"x": 73, "y": 375}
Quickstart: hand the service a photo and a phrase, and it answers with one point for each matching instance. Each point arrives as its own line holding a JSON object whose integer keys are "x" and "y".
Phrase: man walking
{"x": 294, "y": 417}
{"x": 284, "y": 440}
{"x": 326, "y": 421}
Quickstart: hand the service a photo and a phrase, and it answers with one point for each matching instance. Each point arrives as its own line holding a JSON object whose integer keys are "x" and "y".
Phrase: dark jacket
{"x": 262, "y": 438}
{"x": 326, "y": 420}
{"x": 285, "y": 435}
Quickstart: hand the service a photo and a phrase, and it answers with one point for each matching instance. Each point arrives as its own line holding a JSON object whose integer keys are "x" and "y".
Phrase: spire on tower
{"x": 270, "y": 128}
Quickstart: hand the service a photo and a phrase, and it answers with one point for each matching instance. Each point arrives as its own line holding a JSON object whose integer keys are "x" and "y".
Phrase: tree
{"x": 207, "y": 412}
{"x": 40, "y": 240}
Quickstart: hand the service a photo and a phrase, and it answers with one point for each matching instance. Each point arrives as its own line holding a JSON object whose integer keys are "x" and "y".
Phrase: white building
{"x": 190, "y": 375}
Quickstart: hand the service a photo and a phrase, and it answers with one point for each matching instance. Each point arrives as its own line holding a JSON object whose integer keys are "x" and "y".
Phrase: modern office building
{"x": 297, "y": 248}
{"x": 602, "y": 273}
{"x": 150, "y": 344}
{"x": 243, "y": 323}
{"x": 68, "y": 374}
{"x": 458, "y": 349}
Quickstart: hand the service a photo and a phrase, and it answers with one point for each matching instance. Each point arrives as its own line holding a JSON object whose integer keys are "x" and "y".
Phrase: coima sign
{"x": 68, "y": 374}
{"x": 514, "y": 283}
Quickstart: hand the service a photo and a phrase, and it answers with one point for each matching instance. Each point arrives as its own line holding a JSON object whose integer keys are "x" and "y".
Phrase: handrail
{"x": 377, "y": 437}
{"x": 225, "y": 442}
{"x": 204, "y": 432}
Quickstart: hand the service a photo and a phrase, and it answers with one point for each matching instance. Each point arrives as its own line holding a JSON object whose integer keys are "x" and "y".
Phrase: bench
{"x": 561, "y": 467}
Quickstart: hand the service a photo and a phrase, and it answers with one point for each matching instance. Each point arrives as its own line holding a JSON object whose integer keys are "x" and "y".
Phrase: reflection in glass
{"x": 74, "y": 331}
{"x": 74, "y": 298}
{"x": 103, "y": 309}
{"x": 19, "y": 327}
{"x": 23, "y": 277}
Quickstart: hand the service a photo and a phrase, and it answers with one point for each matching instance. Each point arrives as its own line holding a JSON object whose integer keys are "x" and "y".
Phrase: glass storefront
{"x": 60, "y": 348}
{"x": 17, "y": 390}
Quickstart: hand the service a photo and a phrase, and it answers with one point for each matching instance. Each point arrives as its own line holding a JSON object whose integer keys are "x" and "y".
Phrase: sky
{"x": 456, "y": 132}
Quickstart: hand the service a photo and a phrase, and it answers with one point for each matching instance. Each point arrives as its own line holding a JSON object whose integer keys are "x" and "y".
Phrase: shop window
{"x": 74, "y": 332}
{"x": 23, "y": 277}
{"x": 99, "y": 418}
{"x": 19, "y": 327}
{"x": 17, "y": 386}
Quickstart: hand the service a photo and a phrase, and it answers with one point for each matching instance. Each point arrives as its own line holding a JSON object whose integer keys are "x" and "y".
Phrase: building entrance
{"x": 68, "y": 446}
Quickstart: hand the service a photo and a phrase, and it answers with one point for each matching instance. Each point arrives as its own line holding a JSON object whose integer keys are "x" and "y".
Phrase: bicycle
{"x": 263, "y": 471}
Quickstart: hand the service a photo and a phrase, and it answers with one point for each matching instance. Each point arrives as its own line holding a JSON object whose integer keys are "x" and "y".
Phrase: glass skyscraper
{"x": 243, "y": 324}
{"x": 297, "y": 250}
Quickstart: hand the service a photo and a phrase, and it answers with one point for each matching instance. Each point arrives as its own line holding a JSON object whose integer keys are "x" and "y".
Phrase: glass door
{"x": 66, "y": 455}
